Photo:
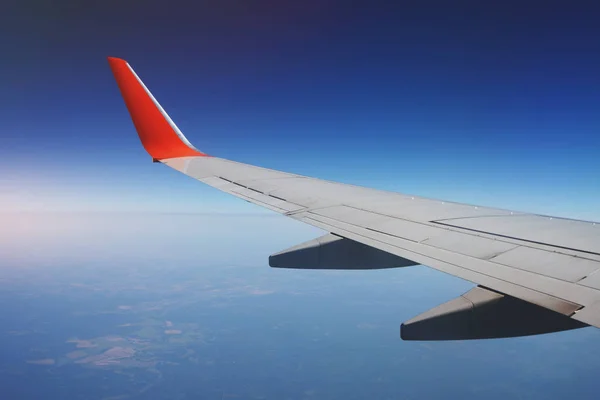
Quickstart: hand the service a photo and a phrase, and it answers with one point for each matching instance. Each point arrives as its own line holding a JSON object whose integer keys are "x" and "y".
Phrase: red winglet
{"x": 159, "y": 135}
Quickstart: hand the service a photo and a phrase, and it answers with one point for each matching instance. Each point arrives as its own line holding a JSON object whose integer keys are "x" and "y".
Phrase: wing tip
{"x": 116, "y": 61}
{"x": 158, "y": 133}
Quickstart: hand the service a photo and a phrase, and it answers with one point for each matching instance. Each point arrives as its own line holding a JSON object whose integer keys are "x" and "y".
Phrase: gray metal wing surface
{"x": 538, "y": 260}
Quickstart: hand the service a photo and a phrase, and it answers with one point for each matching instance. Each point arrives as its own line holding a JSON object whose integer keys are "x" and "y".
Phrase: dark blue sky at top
{"x": 495, "y": 103}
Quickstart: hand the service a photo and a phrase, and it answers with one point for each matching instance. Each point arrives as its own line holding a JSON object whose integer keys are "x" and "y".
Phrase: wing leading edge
{"x": 524, "y": 264}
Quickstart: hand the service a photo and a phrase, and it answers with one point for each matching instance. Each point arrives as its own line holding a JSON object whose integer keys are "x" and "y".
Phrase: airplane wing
{"x": 534, "y": 273}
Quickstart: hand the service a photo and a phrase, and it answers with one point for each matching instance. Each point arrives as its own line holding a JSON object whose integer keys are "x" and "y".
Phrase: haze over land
{"x": 153, "y": 305}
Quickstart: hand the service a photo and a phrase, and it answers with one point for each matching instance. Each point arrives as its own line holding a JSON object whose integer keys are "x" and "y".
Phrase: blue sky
{"x": 491, "y": 104}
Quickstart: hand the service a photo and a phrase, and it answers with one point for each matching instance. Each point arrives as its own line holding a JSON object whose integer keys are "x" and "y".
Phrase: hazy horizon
{"x": 188, "y": 304}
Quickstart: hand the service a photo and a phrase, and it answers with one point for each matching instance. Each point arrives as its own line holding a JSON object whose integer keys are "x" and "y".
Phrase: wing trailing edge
{"x": 159, "y": 135}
